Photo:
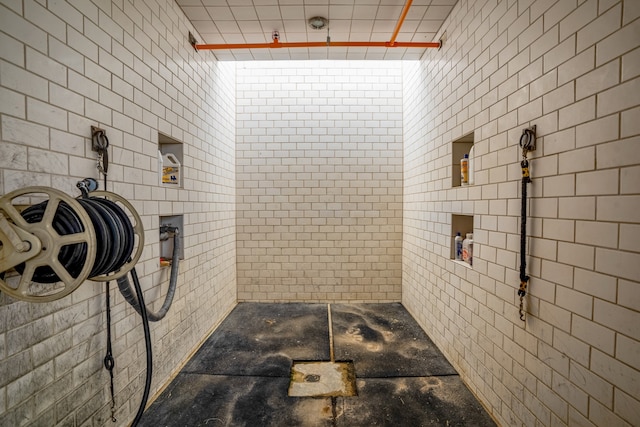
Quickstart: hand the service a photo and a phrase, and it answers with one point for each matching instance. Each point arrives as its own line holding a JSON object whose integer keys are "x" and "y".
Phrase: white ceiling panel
{"x": 205, "y": 26}
{"x": 292, "y": 26}
{"x": 215, "y": 2}
{"x": 339, "y": 11}
{"x": 253, "y": 21}
{"x": 195, "y": 12}
{"x": 409, "y": 27}
{"x": 338, "y": 26}
{"x": 422, "y": 37}
{"x": 312, "y": 10}
{"x": 268, "y": 12}
{"x": 227, "y": 27}
{"x": 384, "y": 26}
{"x": 222, "y": 13}
{"x": 244, "y": 13}
{"x": 429, "y": 26}
{"x": 388, "y": 12}
{"x": 249, "y": 27}
{"x": 361, "y": 26}
{"x": 365, "y": 12}
{"x": 214, "y": 38}
{"x": 438, "y": 12}
{"x": 255, "y": 38}
{"x": 292, "y": 12}
{"x": 416, "y": 12}
{"x": 234, "y": 38}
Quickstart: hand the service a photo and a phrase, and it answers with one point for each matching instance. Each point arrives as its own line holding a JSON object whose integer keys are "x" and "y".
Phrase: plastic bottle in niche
{"x": 471, "y": 167}
{"x": 170, "y": 169}
{"x": 458, "y": 246}
{"x": 467, "y": 249}
{"x": 159, "y": 167}
{"x": 464, "y": 170}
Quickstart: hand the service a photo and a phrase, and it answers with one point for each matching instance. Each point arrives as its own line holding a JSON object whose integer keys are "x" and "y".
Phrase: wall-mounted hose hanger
{"x": 100, "y": 144}
{"x": 527, "y": 144}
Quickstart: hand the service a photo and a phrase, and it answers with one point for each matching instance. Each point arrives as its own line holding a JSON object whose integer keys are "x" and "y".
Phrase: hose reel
{"x": 50, "y": 247}
{"x": 50, "y": 243}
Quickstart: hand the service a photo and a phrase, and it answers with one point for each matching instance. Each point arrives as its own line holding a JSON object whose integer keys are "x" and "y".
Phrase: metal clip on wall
{"x": 100, "y": 144}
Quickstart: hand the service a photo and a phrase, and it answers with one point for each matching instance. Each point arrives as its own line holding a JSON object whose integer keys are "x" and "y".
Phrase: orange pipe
{"x": 314, "y": 44}
{"x": 403, "y": 15}
{"x": 277, "y": 44}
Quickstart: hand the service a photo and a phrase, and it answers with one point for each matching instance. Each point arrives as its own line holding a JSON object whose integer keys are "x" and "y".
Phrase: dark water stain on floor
{"x": 383, "y": 340}
{"x": 213, "y": 400}
{"x": 241, "y": 374}
{"x": 263, "y": 340}
{"x": 415, "y": 402}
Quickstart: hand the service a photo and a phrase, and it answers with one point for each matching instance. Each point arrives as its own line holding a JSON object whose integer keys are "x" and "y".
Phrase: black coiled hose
{"x": 114, "y": 237}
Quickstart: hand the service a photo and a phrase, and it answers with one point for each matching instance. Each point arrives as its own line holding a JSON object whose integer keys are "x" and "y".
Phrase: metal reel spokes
{"x": 56, "y": 249}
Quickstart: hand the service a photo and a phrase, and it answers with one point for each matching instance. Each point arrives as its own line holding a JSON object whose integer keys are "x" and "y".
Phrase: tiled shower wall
{"x": 319, "y": 181}
{"x": 571, "y": 68}
{"x": 125, "y": 66}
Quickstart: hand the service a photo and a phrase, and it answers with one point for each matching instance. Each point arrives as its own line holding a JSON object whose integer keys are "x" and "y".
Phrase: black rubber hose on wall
{"x": 147, "y": 342}
{"x": 128, "y": 293}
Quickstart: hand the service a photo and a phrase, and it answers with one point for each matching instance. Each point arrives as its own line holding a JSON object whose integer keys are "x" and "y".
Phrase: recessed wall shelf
{"x": 170, "y": 162}
{"x": 459, "y": 148}
{"x": 462, "y": 224}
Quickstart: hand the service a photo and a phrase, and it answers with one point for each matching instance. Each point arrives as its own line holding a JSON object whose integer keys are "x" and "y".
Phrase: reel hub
{"x": 48, "y": 249}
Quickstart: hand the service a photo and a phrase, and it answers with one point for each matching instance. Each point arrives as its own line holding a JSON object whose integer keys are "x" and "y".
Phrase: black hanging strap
{"x": 100, "y": 143}
{"x": 527, "y": 143}
{"x": 109, "y": 362}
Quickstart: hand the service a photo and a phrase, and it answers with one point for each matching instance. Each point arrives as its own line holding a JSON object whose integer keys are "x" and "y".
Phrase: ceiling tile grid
{"x": 253, "y": 21}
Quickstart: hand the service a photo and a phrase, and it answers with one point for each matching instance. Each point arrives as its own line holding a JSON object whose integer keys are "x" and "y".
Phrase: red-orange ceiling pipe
{"x": 277, "y": 44}
{"x": 403, "y": 15}
{"x": 314, "y": 44}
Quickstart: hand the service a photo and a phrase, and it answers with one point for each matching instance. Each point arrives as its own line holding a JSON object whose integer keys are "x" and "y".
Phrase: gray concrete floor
{"x": 240, "y": 376}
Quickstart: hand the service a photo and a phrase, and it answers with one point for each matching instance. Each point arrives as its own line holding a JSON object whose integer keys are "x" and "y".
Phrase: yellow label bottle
{"x": 464, "y": 170}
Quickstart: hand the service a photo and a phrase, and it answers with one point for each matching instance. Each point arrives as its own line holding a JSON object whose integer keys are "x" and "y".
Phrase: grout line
{"x": 234, "y": 375}
{"x": 407, "y": 376}
{"x": 333, "y": 359}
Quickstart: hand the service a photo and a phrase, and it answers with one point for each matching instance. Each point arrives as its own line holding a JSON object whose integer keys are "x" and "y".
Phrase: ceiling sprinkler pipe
{"x": 403, "y": 15}
{"x": 388, "y": 44}
{"x": 277, "y": 44}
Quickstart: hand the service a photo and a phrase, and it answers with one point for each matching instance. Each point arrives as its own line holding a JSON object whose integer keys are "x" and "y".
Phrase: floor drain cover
{"x": 322, "y": 379}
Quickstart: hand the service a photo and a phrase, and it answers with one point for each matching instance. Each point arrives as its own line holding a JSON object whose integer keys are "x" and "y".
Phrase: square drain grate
{"x": 322, "y": 379}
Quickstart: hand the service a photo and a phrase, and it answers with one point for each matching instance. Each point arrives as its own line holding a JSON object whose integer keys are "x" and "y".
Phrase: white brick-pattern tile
{"x": 577, "y": 75}
{"x": 125, "y": 67}
{"x": 319, "y": 181}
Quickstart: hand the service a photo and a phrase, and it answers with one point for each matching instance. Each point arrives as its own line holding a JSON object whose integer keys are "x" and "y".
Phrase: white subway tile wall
{"x": 331, "y": 181}
{"x": 319, "y": 181}
{"x": 574, "y": 361}
{"x": 125, "y": 66}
